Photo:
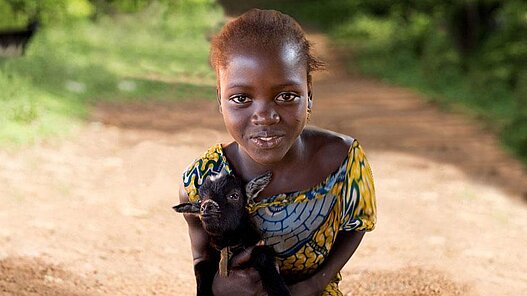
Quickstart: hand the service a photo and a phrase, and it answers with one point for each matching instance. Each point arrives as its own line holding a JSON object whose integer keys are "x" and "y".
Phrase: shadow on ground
{"x": 23, "y": 276}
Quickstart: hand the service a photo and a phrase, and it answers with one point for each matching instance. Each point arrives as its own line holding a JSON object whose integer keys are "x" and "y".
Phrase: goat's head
{"x": 223, "y": 198}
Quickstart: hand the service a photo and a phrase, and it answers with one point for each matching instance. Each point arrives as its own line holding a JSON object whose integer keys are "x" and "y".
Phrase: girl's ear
{"x": 218, "y": 98}
{"x": 309, "y": 94}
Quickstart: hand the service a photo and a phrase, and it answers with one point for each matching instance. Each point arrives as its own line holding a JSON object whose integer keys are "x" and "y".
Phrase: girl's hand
{"x": 308, "y": 287}
{"x": 241, "y": 281}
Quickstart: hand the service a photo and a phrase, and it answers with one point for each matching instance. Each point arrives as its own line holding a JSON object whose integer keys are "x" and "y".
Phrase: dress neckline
{"x": 321, "y": 187}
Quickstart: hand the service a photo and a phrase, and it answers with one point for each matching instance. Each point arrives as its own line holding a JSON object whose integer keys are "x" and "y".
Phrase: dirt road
{"x": 91, "y": 215}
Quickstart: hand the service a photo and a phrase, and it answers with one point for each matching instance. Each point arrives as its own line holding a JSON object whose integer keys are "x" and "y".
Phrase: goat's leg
{"x": 262, "y": 258}
{"x": 205, "y": 272}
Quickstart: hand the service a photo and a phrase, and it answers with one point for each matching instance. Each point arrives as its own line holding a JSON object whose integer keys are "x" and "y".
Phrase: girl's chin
{"x": 265, "y": 153}
{"x": 267, "y": 156}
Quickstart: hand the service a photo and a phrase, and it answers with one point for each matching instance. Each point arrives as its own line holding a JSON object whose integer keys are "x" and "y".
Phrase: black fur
{"x": 262, "y": 258}
{"x": 205, "y": 272}
{"x": 225, "y": 219}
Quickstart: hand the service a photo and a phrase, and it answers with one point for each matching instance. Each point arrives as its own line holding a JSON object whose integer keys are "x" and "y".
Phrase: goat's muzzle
{"x": 209, "y": 207}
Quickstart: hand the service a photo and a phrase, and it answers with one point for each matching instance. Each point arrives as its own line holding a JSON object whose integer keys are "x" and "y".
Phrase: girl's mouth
{"x": 268, "y": 142}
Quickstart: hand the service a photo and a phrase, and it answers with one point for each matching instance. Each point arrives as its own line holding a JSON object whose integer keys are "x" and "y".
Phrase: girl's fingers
{"x": 250, "y": 274}
{"x": 240, "y": 282}
{"x": 242, "y": 258}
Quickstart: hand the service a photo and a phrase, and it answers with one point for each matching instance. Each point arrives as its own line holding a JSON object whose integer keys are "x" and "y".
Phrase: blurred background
{"x": 467, "y": 55}
{"x": 104, "y": 102}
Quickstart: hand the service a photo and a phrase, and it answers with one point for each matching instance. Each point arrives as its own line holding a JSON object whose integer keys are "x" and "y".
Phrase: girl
{"x": 321, "y": 198}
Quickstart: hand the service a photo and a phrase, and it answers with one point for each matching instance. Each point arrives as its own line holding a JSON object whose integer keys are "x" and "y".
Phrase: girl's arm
{"x": 205, "y": 258}
{"x": 344, "y": 246}
{"x": 247, "y": 281}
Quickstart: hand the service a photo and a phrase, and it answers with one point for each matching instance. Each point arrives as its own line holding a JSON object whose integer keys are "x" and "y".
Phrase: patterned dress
{"x": 302, "y": 226}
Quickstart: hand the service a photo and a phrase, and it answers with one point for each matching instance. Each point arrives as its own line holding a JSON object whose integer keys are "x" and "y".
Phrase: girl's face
{"x": 264, "y": 101}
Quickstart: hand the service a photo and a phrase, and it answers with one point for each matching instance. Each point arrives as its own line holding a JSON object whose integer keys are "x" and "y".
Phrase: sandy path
{"x": 91, "y": 215}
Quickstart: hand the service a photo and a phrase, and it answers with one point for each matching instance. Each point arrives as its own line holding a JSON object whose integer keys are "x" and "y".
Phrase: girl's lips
{"x": 268, "y": 142}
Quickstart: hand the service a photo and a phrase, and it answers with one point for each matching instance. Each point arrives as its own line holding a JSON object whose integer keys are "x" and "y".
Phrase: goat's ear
{"x": 220, "y": 175}
{"x": 187, "y": 208}
{"x": 256, "y": 185}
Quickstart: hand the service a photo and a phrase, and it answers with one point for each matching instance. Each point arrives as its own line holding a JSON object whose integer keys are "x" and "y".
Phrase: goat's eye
{"x": 233, "y": 196}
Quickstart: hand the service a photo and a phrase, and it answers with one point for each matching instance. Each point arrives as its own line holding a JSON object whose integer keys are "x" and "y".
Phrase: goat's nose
{"x": 209, "y": 205}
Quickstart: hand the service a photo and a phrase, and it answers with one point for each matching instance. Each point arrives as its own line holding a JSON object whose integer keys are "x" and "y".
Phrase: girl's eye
{"x": 240, "y": 99}
{"x": 286, "y": 97}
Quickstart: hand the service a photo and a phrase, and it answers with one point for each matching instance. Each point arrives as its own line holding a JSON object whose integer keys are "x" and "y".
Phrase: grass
{"x": 153, "y": 55}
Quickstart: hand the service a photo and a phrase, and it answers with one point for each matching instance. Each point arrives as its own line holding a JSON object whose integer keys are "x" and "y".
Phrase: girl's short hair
{"x": 262, "y": 29}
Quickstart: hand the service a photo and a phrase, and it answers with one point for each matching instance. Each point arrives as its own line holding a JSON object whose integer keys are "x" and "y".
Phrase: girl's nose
{"x": 265, "y": 114}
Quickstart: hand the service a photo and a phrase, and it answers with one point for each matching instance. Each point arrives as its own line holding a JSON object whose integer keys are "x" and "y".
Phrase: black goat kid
{"x": 222, "y": 212}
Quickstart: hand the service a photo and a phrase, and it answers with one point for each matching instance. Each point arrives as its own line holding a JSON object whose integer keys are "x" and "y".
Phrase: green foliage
{"x": 17, "y": 13}
{"x": 79, "y": 8}
{"x": 439, "y": 61}
{"x": 27, "y": 113}
{"x": 158, "y": 53}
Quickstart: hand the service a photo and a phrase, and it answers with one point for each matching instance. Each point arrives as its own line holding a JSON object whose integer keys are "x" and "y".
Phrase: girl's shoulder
{"x": 327, "y": 148}
{"x": 327, "y": 139}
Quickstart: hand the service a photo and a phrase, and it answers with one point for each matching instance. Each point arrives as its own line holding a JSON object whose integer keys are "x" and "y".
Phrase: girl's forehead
{"x": 263, "y": 67}
{"x": 286, "y": 53}
{"x": 262, "y": 70}
{"x": 291, "y": 54}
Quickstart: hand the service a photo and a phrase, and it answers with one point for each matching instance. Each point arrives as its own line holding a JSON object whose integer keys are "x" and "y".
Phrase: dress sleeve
{"x": 192, "y": 180}
{"x": 359, "y": 210}
{"x": 211, "y": 163}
